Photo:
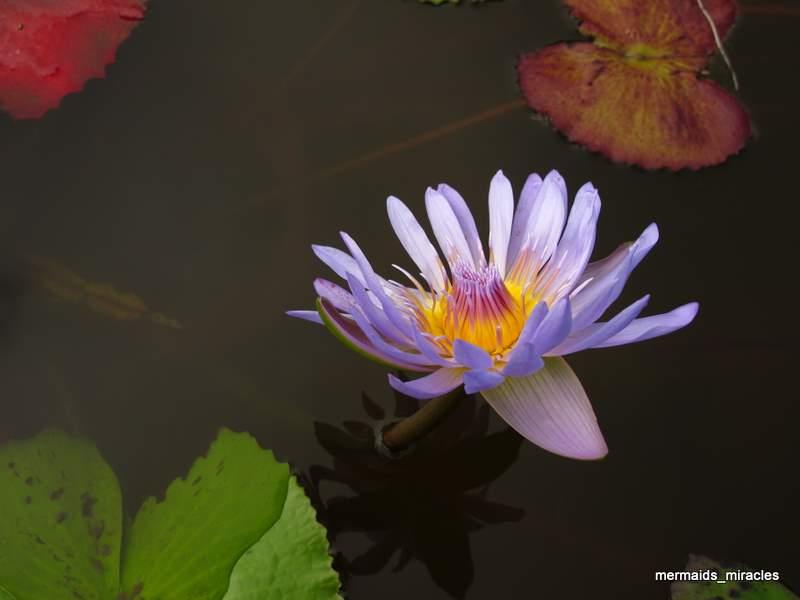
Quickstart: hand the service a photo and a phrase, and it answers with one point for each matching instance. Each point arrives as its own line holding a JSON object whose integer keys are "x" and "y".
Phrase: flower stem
{"x": 403, "y": 433}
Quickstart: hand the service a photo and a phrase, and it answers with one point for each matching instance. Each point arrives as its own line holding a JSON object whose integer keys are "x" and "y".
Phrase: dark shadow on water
{"x": 13, "y": 285}
{"x": 422, "y": 505}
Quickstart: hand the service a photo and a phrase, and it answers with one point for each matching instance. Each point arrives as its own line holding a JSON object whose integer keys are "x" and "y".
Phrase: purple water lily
{"x": 498, "y": 326}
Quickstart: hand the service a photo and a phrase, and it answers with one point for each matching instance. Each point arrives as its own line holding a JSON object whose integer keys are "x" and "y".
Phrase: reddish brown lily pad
{"x": 636, "y": 94}
{"x": 50, "y": 48}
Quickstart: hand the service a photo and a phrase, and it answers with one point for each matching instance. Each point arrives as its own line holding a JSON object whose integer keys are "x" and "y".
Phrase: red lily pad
{"x": 50, "y": 48}
{"x": 636, "y": 93}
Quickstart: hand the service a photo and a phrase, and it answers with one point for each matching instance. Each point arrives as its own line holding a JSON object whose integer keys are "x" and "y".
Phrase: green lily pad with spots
{"x": 236, "y": 517}
{"x": 61, "y": 523}
{"x": 740, "y": 582}
{"x": 292, "y": 560}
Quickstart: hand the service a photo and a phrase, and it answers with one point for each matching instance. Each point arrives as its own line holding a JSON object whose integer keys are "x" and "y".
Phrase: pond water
{"x": 229, "y": 136}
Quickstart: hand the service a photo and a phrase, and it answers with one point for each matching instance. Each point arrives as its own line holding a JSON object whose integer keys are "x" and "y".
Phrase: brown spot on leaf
{"x": 87, "y": 504}
{"x": 197, "y": 480}
{"x": 135, "y": 592}
{"x": 29, "y": 481}
{"x": 61, "y": 517}
{"x": 57, "y": 494}
{"x": 99, "y": 566}
{"x": 96, "y": 529}
{"x": 28, "y": 499}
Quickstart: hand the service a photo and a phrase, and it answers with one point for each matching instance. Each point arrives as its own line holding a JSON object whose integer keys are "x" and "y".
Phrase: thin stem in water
{"x": 718, "y": 42}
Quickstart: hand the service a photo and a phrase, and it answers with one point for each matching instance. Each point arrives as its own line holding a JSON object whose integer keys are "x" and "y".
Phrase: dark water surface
{"x": 229, "y": 136}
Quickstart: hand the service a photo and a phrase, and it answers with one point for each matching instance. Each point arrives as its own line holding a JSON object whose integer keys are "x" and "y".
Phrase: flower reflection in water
{"x": 423, "y": 504}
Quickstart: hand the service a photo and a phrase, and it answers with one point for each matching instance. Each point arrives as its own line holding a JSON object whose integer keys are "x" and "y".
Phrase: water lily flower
{"x": 499, "y": 327}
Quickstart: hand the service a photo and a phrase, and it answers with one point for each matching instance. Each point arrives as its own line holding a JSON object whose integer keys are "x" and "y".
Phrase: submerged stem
{"x": 405, "y": 432}
{"x": 718, "y": 43}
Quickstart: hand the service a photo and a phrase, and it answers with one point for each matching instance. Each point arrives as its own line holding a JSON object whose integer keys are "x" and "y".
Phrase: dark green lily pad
{"x": 738, "y": 584}
{"x": 61, "y": 524}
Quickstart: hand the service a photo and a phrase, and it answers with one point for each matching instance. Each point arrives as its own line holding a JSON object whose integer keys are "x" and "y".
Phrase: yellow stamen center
{"x": 478, "y": 308}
